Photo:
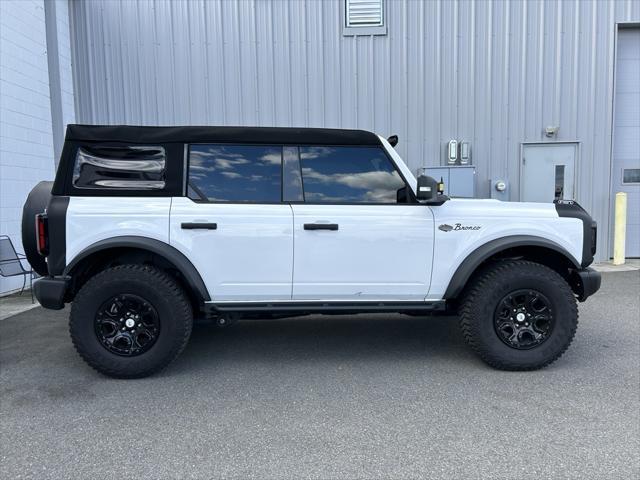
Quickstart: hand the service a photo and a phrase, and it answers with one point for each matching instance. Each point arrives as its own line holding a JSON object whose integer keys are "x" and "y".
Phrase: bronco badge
{"x": 447, "y": 228}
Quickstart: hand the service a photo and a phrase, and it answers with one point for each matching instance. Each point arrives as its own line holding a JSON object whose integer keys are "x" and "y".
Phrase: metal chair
{"x": 11, "y": 263}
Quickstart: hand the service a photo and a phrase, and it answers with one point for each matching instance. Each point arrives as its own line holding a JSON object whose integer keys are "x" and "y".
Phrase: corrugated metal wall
{"x": 492, "y": 73}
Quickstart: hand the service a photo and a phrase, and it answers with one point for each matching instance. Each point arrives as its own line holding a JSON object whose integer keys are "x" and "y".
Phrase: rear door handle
{"x": 198, "y": 226}
{"x": 321, "y": 226}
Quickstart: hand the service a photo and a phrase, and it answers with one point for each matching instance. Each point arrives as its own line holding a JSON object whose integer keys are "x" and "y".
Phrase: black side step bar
{"x": 326, "y": 307}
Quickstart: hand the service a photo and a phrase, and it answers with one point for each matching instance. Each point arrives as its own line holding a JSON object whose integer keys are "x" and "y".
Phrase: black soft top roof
{"x": 201, "y": 134}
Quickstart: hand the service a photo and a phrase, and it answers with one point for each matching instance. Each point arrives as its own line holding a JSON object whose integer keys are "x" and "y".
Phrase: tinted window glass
{"x": 235, "y": 173}
{"x": 130, "y": 168}
{"x": 350, "y": 175}
{"x": 631, "y": 175}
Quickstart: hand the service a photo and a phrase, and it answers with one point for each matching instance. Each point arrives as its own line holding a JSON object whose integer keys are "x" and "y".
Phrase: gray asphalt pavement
{"x": 335, "y": 397}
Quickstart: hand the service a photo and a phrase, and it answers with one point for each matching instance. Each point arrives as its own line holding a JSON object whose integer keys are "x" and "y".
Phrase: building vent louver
{"x": 364, "y": 13}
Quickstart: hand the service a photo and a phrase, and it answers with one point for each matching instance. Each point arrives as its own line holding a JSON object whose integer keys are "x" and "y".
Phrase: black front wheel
{"x": 130, "y": 321}
{"x": 518, "y": 315}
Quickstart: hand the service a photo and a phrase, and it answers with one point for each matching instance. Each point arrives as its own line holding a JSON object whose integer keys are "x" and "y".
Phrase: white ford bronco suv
{"x": 145, "y": 228}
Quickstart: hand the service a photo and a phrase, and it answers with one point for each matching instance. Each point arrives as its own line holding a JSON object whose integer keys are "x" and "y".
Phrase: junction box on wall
{"x": 459, "y": 180}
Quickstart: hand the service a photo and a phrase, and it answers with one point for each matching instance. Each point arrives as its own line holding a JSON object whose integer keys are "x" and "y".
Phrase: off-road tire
{"x": 485, "y": 291}
{"x": 157, "y": 288}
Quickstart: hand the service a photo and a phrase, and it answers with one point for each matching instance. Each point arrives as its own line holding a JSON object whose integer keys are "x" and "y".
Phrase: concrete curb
{"x": 607, "y": 267}
{"x": 11, "y": 305}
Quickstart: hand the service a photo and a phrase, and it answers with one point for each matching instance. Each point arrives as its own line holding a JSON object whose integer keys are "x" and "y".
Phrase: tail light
{"x": 42, "y": 234}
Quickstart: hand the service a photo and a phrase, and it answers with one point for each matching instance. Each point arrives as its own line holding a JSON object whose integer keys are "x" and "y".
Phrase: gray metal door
{"x": 548, "y": 172}
{"x": 625, "y": 176}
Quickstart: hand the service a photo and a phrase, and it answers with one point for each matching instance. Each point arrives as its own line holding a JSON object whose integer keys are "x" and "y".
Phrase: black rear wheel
{"x": 130, "y": 321}
{"x": 518, "y": 315}
{"x": 127, "y": 325}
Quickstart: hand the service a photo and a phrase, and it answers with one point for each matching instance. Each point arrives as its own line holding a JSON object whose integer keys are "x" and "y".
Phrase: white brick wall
{"x": 26, "y": 142}
{"x": 64, "y": 62}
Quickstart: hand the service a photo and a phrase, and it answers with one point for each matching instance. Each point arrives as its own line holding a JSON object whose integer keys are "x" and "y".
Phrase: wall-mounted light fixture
{"x": 465, "y": 153}
{"x": 551, "y": 130}
{"x": 452, "y": 152}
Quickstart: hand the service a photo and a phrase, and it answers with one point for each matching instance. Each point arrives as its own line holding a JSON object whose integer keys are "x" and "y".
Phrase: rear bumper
{"x": 50, "y": 291}
{"x": 585, "y": 283}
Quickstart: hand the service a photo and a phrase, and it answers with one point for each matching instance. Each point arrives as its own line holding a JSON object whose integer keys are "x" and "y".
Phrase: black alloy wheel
{"x": 127, "y": 325}
{"x": 524, "y": 319}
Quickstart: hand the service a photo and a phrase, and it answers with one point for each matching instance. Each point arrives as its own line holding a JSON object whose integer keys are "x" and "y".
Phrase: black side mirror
{"x": 393, "y": 140}
{"x": 430, "y": 191}
{"x": 427, "y": 188}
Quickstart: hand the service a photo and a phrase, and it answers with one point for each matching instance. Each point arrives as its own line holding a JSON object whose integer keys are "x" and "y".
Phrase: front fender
{"x": 466, "y": 228}
{"x": 475, "y": 259}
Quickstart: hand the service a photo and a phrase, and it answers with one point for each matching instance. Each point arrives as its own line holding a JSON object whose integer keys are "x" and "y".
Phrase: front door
{"x": 233, "y": 225}
{"x": 548, "y": 172}
{"x": 356, "y": 238}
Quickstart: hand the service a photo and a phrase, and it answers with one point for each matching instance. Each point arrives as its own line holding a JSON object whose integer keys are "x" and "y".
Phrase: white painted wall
{"x": 60, "y": 73}
{"x": 26, "y": 127}
{"x": 64, "y": 64}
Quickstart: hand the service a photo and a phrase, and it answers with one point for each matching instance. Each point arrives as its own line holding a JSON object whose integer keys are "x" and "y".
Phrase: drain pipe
{"x": 620, "y": 228}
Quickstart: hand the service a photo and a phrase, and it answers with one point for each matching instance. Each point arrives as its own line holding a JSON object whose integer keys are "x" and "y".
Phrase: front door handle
{"x": 199, "y": 225}
{"x": 321, "y": 226}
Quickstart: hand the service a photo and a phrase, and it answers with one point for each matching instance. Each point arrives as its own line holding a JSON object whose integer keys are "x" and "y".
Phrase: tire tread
{"x": 484, "y": 281}
{"x": 160, "y": 278}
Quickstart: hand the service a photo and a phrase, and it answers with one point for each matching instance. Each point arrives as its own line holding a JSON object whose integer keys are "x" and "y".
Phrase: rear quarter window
{"x": 120, "y": 168}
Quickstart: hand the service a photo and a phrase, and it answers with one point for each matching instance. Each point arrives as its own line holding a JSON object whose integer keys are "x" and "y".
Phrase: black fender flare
{"x": 37, "y": 202}
{"x": 489, "y": 249}
{"x": 162, "y": 249}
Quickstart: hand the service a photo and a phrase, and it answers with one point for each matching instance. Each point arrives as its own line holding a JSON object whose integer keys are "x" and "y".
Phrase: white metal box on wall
{"x": 459, "y": 180}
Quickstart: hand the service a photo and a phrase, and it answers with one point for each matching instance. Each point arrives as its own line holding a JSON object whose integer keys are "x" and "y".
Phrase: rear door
{"x": 233, "y": 225}
{"x": 357, "y": 236}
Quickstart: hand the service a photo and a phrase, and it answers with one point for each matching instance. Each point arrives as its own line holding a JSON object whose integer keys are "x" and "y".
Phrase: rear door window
{"x": 350, "y": 175}
{"x": 235, "y": 173}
